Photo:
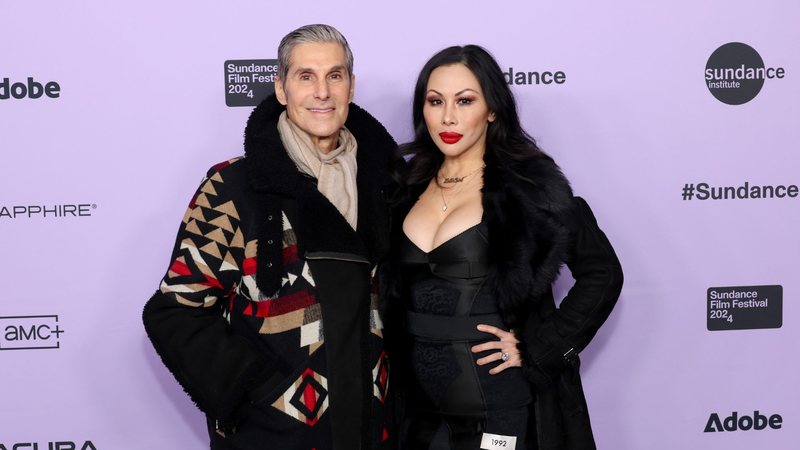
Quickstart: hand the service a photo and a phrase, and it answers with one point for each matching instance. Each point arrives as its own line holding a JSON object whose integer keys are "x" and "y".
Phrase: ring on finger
{"x": 505, "y": 356}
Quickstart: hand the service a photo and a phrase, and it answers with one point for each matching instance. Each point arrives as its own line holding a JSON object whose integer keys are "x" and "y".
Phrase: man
{"x": 267, "y": 315}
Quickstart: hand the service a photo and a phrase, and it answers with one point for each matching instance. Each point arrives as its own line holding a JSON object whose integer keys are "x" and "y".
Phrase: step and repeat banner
{"x": 677, "y": 121}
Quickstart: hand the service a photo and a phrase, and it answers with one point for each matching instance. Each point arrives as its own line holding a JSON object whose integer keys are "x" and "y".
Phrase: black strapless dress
{"x": 453, "y": 403}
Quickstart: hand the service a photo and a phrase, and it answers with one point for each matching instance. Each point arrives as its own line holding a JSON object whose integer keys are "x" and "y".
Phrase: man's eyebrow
{"x": 336, "y": 68}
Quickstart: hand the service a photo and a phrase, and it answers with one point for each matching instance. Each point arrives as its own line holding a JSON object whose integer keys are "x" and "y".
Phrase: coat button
{"x": 269, "y": 242}
{"x": 269, "y": 264}
{"x": 269, "y": 217}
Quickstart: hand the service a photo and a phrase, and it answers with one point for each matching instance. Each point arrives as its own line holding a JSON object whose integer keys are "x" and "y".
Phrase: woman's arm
{"x": 558, "y": 335}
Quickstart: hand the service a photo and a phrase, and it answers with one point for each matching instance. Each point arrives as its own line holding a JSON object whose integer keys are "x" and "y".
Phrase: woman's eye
{"x": 434, "y": 101}
{"x": 465, "y": 101}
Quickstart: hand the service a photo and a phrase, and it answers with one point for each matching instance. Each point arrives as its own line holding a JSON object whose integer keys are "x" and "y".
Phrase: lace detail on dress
{"x": 435, "y": 367}
{"x": 434, "y": 296}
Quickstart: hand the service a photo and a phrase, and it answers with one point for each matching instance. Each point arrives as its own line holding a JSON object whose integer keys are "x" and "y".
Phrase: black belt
{"x": 452, "y": 328}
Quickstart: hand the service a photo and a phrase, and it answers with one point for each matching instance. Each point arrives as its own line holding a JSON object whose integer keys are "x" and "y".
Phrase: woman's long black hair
{"x": 506, "y": 140}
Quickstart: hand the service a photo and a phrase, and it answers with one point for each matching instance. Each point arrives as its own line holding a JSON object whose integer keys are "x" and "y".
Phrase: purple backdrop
{"x": 140, "y": 114}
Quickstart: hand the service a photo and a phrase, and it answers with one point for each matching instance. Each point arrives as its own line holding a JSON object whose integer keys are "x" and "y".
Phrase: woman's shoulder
{"x": 538, "y": 180}
{"x": 539, "y": 168}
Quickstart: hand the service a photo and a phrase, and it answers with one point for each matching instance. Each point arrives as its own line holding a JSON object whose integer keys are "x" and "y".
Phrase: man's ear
{"x": 279, "y": 92}
{"x": 352, "y": 87}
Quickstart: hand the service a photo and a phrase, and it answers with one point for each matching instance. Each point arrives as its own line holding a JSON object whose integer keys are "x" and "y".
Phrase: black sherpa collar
{"x": 319, "y": 226}
{"x": 271, "y": 169}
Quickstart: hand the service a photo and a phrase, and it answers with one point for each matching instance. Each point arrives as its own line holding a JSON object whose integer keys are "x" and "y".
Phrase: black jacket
{"x": 262, "y": 259}
{"x": 536, "y": 225}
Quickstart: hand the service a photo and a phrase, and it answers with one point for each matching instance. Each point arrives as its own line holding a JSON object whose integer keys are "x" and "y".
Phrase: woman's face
{"x": 456, "y": 112}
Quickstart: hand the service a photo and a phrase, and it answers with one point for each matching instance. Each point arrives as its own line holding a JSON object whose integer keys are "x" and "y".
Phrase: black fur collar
{"x": 319, "y": 226}
{"x": 529, "y": 207}
{"x": 270, "y": 168}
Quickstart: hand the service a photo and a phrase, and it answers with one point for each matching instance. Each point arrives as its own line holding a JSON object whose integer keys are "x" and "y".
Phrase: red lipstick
{"x": 450, "y": 138}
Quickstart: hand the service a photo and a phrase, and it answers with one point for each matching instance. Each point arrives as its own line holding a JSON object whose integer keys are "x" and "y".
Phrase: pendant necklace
{"x": 453, "y": 180}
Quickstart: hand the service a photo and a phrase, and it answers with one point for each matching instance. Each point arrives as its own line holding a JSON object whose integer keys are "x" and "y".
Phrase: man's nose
{"x": 321, "y": 90}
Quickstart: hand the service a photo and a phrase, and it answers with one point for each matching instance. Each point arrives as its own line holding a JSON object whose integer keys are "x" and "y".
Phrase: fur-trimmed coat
{"x": 238, "y": 318}
{"x": 535, "y": 225}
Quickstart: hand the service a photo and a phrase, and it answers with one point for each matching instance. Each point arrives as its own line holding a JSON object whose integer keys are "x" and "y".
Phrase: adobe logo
{"x": 32, "y": 89}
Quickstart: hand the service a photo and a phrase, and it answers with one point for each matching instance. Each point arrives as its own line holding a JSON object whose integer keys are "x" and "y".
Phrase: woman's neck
{"x": 460, "y": 165}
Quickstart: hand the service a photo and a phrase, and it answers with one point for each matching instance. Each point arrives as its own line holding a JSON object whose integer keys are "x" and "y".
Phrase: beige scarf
{"x": 335, "y": 171}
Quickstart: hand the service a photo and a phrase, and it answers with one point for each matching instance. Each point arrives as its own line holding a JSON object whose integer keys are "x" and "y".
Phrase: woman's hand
{"x": 506, "y": 347}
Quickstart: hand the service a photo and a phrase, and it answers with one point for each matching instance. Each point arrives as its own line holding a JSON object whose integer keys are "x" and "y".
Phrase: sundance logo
{"x": 248, "y": 81}
{"x": 523, "y": 77}
{"x": 734, "y": 422}
{"x": 735, "y": 73}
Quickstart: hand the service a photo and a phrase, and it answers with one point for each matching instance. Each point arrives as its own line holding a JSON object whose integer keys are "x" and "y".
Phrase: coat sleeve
{"x": 560, "y": 334}
{"x": 185, "y": 320}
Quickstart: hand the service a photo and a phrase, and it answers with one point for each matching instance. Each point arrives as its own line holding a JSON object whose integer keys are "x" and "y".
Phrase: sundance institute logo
{"x": 735, "y": 73}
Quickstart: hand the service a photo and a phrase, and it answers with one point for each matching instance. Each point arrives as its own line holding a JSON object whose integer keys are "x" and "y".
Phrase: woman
{"x": 483, "y": 219}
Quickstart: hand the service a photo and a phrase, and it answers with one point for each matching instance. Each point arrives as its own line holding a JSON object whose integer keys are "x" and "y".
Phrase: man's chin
{"x": 327, "y": 130}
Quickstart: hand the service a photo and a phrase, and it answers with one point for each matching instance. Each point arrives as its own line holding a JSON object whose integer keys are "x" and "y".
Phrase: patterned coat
{"x": 238, "y": 318}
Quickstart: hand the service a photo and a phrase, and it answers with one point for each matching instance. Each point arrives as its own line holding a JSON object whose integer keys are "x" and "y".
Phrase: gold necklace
{"x": 448, "y": 180}
{"x": 453, "y": 180}
{"x": 444, "y": 203}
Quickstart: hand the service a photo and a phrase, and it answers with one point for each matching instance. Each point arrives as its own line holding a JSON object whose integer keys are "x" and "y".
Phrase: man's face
{"x": 317, "y": 91}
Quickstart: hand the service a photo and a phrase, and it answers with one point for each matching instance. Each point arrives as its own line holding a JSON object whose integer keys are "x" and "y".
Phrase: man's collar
{"x": 271, "y": 169}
